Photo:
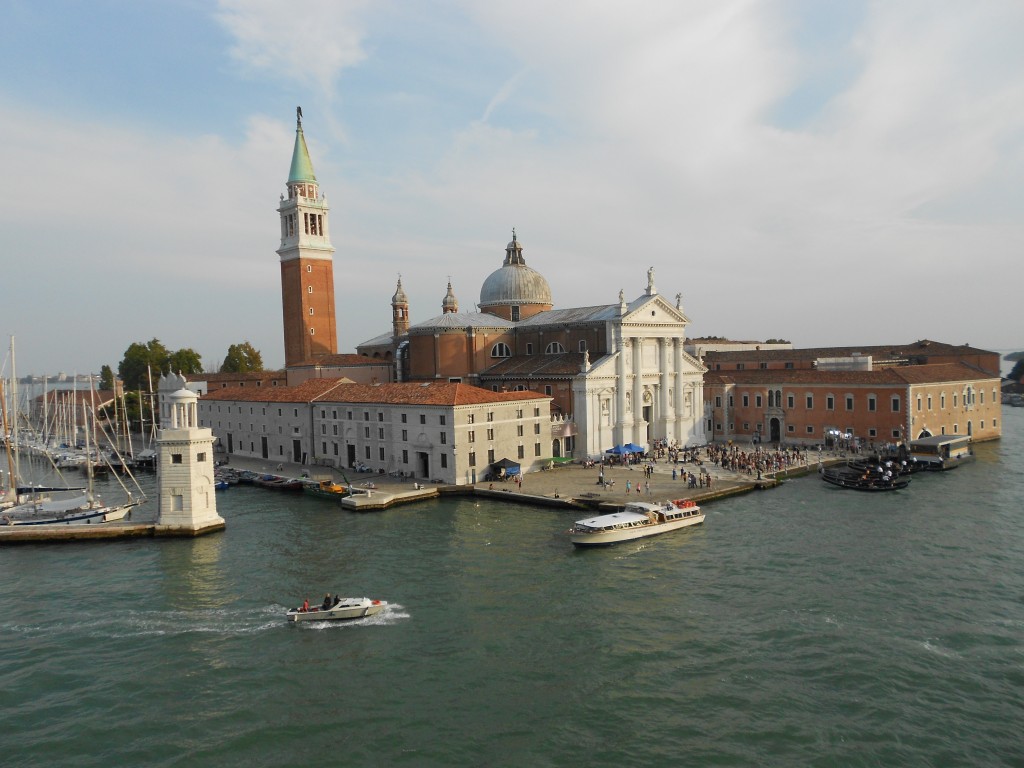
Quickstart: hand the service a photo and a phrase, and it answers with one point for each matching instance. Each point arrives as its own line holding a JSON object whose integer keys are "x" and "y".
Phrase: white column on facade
{"x": 664, "y": 386}
{"x": 638, "y": 391}
{"x": 619, "y": 434}
{"x": 677, "y": 363}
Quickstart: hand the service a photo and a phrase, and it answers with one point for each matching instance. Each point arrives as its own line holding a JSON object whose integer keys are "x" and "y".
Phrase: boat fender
{"x": 376, "y": 602}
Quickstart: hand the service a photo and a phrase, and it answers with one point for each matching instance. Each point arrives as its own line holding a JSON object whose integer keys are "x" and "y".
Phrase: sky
{"x": 825, "y": 173}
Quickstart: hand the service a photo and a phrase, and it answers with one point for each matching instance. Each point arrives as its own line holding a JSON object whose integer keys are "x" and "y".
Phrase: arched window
{"x": 501, "y": 350}
{"x": 554, "y": 348}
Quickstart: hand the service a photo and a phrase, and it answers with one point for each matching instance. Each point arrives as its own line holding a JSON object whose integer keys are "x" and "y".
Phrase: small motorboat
{"x": 344, "y": 608}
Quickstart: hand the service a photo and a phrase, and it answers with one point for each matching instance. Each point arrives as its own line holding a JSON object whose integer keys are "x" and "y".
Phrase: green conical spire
{"x": 302, "y": 166}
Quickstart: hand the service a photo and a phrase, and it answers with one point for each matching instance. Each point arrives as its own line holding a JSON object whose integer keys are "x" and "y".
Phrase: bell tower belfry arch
{"x": 307, "y": 262}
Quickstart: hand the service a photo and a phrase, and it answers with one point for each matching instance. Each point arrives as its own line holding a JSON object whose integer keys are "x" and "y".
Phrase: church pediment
{"x": 654, "y": 310}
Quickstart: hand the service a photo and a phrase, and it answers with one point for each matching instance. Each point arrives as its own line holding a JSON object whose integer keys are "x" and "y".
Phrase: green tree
{"x": 185, "y": 361}
{"x": 1018, "y": 371}
{"x": 106, "y": 377}
{"x": 242, "y": 358}
{"x": 138, "y": 360}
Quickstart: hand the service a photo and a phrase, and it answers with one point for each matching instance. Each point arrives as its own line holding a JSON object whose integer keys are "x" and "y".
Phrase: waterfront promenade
{"x": 565, "y": 485}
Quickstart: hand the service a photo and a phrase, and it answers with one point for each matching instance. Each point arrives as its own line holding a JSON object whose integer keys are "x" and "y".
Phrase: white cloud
{"x": 315, "y": 39}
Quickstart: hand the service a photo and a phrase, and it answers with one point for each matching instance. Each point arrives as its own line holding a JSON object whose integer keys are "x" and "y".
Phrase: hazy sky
{"x": 828, "y": 173}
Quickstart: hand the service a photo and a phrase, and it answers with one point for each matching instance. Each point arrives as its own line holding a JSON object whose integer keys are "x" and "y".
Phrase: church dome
{"x": 515, "y": 283}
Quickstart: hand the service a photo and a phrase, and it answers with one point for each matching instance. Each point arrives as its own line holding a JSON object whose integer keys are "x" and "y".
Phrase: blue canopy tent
{"x": 510, "y": 467}
{"x": 618, "y": 450}
{"x": 633, "y": 448}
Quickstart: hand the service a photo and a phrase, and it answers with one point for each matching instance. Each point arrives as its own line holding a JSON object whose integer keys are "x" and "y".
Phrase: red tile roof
{"x": 338, "y": 391}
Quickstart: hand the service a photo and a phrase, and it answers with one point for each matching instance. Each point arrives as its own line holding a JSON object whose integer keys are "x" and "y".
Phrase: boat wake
{"x": 129, "y": 623}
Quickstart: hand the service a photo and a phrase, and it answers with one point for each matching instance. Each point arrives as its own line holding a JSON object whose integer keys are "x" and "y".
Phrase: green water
{"x": 801, "y": 626}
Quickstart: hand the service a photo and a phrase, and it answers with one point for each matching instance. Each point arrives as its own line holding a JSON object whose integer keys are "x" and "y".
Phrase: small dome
{"x": 399, "y": 297}
{"x": 450, "y": 303}
{"x": 515, "y": 283}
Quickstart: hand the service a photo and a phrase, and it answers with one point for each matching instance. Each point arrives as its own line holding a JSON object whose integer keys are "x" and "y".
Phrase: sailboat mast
{"x": 14, "y": 415}
{"x": 11, "y": 493}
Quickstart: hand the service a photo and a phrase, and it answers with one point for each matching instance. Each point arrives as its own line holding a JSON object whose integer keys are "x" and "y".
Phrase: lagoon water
{"x": 801, "y": 626}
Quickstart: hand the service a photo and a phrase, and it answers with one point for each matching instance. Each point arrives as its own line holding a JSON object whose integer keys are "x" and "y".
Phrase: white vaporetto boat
{"x": 636, "y": 521}
{"x": 345, "y": 608}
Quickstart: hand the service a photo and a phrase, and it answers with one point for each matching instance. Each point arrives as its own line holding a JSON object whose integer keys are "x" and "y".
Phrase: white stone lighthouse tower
{"x": 188, "y": 503}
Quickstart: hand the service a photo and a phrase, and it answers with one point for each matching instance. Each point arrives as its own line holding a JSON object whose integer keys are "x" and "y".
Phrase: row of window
{"x": 775, "y": 400}
{"x": 490, "y": 454}
{"x": 970, "y": 398}
{"x": 501, "y": 349}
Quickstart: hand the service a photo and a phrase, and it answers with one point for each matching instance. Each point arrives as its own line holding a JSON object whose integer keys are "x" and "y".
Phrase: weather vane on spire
{"x": 513, "y": 234}
{"x": 298, "y": 116}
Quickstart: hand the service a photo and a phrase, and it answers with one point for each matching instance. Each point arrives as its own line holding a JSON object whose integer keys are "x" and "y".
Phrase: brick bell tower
{"x": 307, "y": 264}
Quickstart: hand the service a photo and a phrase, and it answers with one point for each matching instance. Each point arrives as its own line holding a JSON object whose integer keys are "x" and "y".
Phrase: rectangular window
{"x": 895, "y": 405}
{"x": 519, "y": 413}
{"x": 536, "y": 428}
{"x": 471, "y": 419}
{"x": 405, "y": 457}
{"x": 380, "y": 416}
{"x": 444, "y": 438}
{"x": 490, "y": 456}
{"x": 872, "y": 433}
{"x": 536, "y": 449}
{"x": 536, "y": 412}
{"x": 519, "y": 430}
{"x": 380, "y": 453}
{"x": 366, "y": 415}
{"x": 547, "y": 389}
{"x": 348, "y": 416}
{"x": 175, "y": 458}
{"x": 718, "y": 401}
{"x": 323, "y": 414}
{"x": 335, "y": 428}
{"x": 443, "y": 419}
{"x": 830, "y": 403}
{"x": 929, "y": 402}
{"x": 380, "y": 433}
{"x": 810, "y": 430}
{"x": 324, "y": 448}
{"x": 790, "y": 401}
{"x": 764, "y": 365}
{"x": 529, "y": 348}
{"x": 871, "y": 402}
{"x": 403, "y": 418}
{"x": 746, "y": 401}
{"x": 810, "y": 402}
{"x": 201, "y": 457}
{"x": 335, "y": 449}
{"x": 731, "y": 401}
{"x": 522, "y": 451}
{"x": 367, "y": 452}
{"x": 790, "y": 428}
{"x": 444, "y": 461}
{"x": 490, "y": 415}
{"x": 472, "y": 459}
{"x": 757, "y": 401}
{"x": 405, "y": 435}
{"x": 849, "y": 402}
{"x": 323, "y": 429}
{"x": 366, "y": 432}
{"x": 471, "y": 436}
{"x": 490, "y": 434}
